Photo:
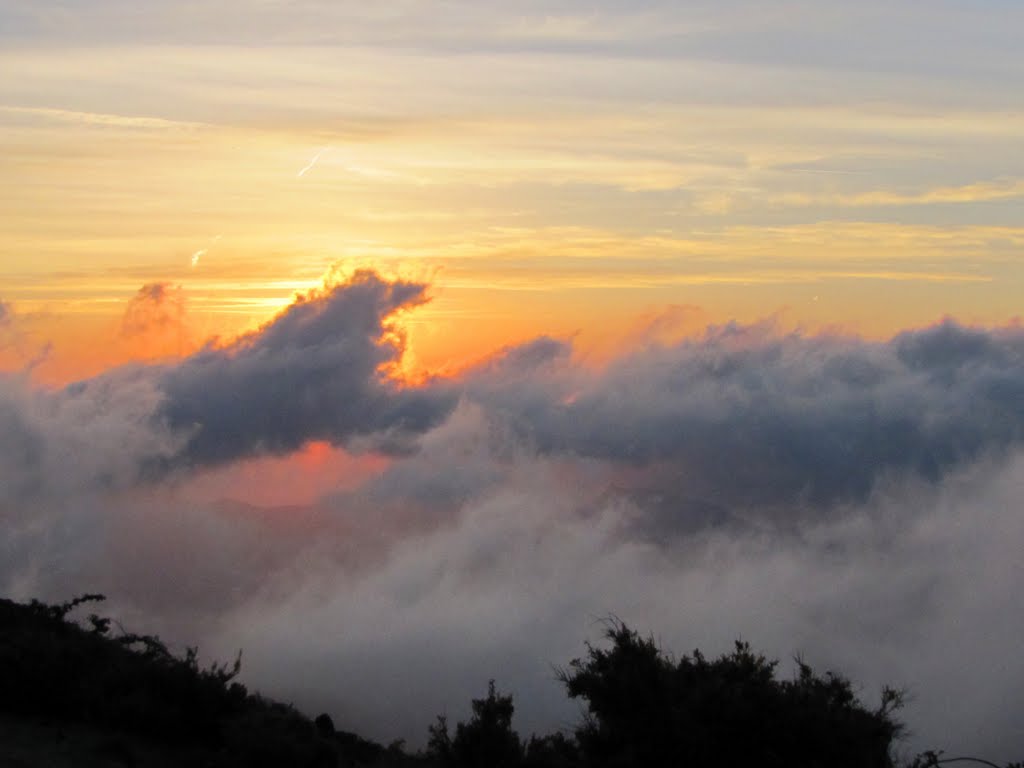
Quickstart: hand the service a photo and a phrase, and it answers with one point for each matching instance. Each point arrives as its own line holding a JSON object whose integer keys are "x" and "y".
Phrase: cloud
{"x": 321, "y": 370}
{"x": 897, "y": 592}
{"x": 747, "y": 419}
{"x": 94, "y": 435}
{"x": 981, "y": 191}
{"x": 473, "y": 559}
{"x": 6, "y": 313}
{"x": 853, "y": 500}
{"x": 157, "y": 307}
{"x": 318, "y": 371}
{"x": 98, "y": 118}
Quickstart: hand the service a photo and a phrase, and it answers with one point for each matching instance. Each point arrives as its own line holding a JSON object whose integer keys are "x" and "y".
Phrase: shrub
{"x": 486, "y": 741}
{"x": 645, "y": 709}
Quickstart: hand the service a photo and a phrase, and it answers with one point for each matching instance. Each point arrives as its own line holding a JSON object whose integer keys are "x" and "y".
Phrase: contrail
{"x": 312, "y": 162}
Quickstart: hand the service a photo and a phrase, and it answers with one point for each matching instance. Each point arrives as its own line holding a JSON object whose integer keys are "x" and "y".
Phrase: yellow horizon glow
{"x": 537, "y": 192}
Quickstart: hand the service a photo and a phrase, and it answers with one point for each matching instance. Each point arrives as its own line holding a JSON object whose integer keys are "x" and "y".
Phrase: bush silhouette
{"x": 555, "y": 750}
{"x": 56, "y": 671}
{"x": 645, "y": 709}
{"x": 642, "y": 708}
{"x": 486, "y": 741}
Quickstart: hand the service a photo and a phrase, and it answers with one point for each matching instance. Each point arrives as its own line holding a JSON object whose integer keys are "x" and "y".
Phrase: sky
{"x": 399, "y": 343}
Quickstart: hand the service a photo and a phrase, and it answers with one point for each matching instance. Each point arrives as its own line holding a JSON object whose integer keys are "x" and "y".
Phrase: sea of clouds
{"x": 857, "y": 502}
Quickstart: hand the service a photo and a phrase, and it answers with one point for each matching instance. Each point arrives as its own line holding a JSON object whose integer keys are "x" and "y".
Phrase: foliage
{"x": 644, "y": 708}
{"x": 933, "y": 759}
{"x": 554, "y": 750}
{"x": 57, "y": 671}
{"x": 486, "y": 741}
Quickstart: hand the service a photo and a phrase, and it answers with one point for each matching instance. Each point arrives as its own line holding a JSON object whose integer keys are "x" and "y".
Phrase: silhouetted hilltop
{"x": 81, "y": 695}
{"x": 77, "y": 694}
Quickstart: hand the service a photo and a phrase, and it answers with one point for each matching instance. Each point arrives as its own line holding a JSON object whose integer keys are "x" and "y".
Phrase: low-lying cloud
{"x": 318, "y": 371}
{"x": 744, "y": 418}
{"x": 916, "y": 588}
{"x": 852, "y": 500}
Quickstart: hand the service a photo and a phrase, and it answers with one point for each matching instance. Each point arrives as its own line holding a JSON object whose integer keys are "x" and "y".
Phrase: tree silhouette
{"x": 486, "y": 741}
{"x": 645, "y": 709}
{"x": 131, "y": 696}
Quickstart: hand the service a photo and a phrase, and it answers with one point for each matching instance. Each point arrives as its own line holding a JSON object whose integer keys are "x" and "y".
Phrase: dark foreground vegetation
{"x": 77, "y": 693}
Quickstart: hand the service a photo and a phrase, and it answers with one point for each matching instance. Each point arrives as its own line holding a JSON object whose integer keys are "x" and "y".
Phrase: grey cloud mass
{"x": 92, "y": 436}
{"x": 915, "y": 588}
{"x": 851, "y": 500}
{"x": 744, "y": 418}
{"x": 313, "y": 373}
{"x": 316, "y": 372}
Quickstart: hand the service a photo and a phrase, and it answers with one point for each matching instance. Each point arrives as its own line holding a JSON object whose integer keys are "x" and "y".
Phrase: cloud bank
{"x": 318, "y": 371}
{"x": 852, "y": 500}
{"x": 747, "y": 419}
{"x": 321, "y": 370}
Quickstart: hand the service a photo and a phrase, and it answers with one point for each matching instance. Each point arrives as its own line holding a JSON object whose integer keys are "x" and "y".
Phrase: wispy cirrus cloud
{"x": 99, "y": 118}
{"x": 981, "y": 191}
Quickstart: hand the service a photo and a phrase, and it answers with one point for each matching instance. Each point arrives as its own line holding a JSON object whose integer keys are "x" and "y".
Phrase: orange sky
{"x": 573, "y": 174}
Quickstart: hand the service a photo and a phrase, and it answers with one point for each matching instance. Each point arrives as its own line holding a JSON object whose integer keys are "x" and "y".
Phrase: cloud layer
{"x": 318, "y": 371}
{"x": 321, "y": 370}
{"x": 856, "y": 501}
{"x": 746, "y": 419}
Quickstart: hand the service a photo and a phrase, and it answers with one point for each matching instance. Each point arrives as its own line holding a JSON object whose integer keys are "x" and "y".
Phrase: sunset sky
{"x": 549, "y": 167}
{"x": 468, "y": 322}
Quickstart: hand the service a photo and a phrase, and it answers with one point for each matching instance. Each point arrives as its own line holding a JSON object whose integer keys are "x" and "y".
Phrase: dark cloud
{"x": 5, "y": 313}
{"x": 512, "y": 362}
{"x": 318, "y": 371}
{"x": 855, "y": 501}
{"x": 744, "y": 418}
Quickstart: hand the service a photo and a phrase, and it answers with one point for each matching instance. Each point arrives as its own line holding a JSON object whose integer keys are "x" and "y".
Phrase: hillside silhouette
{"x": 76, "y": 693}
{"x": 89, "y": 697}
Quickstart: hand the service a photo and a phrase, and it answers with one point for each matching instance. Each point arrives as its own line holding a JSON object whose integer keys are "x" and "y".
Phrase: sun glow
{"x": 299, "y": 478}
